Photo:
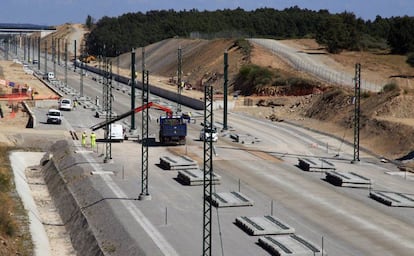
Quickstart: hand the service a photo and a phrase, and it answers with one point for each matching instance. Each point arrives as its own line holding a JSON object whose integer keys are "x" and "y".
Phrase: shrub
{"x": 390, "y": 87}
{"x": 244, "y": 45}
{"x": 410, "y": 59}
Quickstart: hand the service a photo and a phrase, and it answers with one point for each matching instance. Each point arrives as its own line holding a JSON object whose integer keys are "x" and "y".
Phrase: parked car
{"x": 207, "y": 133}
{"x": 65, "y": 104}
{"x": 54, "y": 116}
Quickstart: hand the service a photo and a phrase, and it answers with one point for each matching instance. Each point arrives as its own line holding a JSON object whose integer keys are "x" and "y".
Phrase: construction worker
{"x": 93, "y": 140}
{"x": 75, "y": 103}
{"x": 83, "y": 139}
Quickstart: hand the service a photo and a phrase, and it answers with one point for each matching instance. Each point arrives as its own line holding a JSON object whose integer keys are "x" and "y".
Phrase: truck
{"x": 172, "y": 128}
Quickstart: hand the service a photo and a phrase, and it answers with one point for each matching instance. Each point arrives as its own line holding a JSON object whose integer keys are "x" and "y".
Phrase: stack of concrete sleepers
{"x": 393, "y": 198}
{"x": 177, "y": 163}
{"x": 347, "y": 179}
{"x": 263, "y": 225}
{"x": 289, "y": 245}
{"x": 315, "y": 165}
{"x": 194, "y": 177}
{"x": 276, "y": 237}
{"x": 230, "y": 199}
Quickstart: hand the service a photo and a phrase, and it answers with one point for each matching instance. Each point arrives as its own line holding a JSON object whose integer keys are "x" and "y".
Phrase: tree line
{"x": 113, "y": 35}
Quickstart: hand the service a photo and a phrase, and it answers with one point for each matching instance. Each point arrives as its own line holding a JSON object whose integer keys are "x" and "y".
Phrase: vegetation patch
{"x": 14, "y": 232}
{"x": 390, "y": 87}
{"x": 262, "y": 81}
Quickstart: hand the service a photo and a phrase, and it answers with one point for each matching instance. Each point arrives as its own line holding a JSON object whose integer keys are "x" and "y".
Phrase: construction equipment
{"x": 88, "y": 58}
{"x": 173, "y": 129}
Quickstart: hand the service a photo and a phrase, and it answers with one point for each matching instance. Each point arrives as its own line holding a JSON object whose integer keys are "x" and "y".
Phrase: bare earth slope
{"x": 385, "y": 117}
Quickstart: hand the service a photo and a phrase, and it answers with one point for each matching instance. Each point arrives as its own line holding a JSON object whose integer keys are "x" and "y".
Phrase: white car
{"x": 206, "y": 133}
{"x": 54, "y": 116}
{"x": 65, "y": 104}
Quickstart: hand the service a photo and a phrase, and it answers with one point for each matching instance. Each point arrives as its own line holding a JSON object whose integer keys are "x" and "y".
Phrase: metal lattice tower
{"x": 81, "y": 72}
{"x": 6, "y": 50}
{"x": 38, "y": 53}
{"x": 33, "y": 48}
{"x": 133, "y": 88}
{"x": 29, "y": 42}
{"x": 207, "y": 168}
{"x": 66, "y": 63}
{"x": 144, "y": 143}
{"x": 225, "y": 89}
{"x": 54, "y": 54}
{"x": 108, "y": 109}
{"x": 74, "y": 51}
{"x": 24, "y": 47}
{"x": 45, "y": 56}
{"x": 58, "y": 50}
{"x": 179, "y": 80}
{"x": 357, "y": 110}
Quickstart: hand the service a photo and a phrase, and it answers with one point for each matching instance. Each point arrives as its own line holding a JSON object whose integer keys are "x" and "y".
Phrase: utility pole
{"x": 144, "y": 142}
{"x": 225, "y": 89}
{"x": 81, "y": 75}
{"x": 179, "y": 86}
{"x": 74, "y": 61}
{"x": 58, "y": 54}
{"x": 38, "y": 53}
{"x": 54, "y": 54}
{"x": 28, "y": 49}
{"x": 45, "y": 56}
{"x": 108, "y": 109}
{"x": 33, "y": 48}
{"x": 208, "y": 168}
{"x": 357, "y": 110}
{"x": 117, "y": 69}
{"x": 132, "y": 88}
{"x": 66, "y": 63}
{"x": 145, "y": 195}
{"x": 24, "y": 47}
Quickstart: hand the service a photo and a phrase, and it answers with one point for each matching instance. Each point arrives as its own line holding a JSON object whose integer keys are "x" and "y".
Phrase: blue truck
{"x": 173, "y": 130}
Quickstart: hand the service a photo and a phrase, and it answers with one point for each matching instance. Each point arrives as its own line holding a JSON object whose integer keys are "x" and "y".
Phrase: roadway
{"x": 346, "y": 219}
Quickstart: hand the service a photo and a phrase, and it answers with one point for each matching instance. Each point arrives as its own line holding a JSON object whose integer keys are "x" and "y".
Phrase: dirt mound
{"x": 386, "y": 119}
{"x": 199, "y": 57}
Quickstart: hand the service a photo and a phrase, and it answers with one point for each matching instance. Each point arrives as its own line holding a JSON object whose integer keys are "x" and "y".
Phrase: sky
{"x": 57, "y": 12}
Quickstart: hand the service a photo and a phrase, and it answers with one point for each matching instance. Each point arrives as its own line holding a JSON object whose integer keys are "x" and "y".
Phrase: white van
{"x": 117, "y": 133}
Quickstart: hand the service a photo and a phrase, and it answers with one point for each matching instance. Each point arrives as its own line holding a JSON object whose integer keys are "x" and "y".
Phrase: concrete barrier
{"x": 31, "y": 123}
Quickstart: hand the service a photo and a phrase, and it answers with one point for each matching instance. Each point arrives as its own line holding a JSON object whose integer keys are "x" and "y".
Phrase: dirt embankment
{"x": 384, "y": 117}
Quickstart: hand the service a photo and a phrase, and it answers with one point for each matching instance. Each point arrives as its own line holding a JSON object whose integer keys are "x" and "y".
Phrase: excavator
{"x": 173, "y": 129}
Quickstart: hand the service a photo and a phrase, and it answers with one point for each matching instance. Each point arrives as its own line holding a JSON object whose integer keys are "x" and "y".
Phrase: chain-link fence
{"x": 301, "y": 61}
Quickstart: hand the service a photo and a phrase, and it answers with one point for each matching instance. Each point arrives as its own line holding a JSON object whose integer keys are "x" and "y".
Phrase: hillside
{"x": 386, "y": 117}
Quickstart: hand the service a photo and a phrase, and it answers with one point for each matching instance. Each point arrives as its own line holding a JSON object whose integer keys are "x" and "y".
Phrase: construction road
{"x": 343, "y": 221}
